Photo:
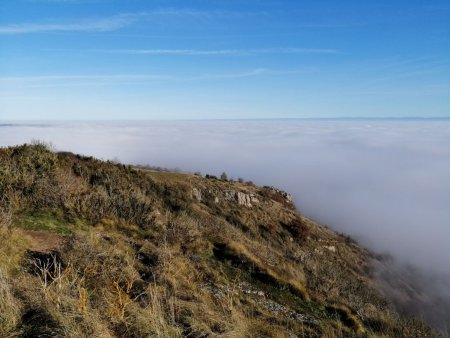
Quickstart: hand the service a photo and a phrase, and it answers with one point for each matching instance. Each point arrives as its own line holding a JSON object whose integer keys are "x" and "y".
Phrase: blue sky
{"x": 208, "y": 59}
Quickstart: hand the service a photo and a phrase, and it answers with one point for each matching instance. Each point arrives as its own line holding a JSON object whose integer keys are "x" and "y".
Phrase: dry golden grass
{"x": 157, "y": 318}
{"x": 140, "y": 257}
{"x": 10, "y": 307}
{"x": 277, "y": 276}
{"x": 12, "y": 249}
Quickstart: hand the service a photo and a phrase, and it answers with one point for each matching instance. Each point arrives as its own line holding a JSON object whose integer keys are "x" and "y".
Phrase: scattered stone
{"x": 254, "y": 199}
{"x": 367, "y": 311}
{"x": 284, "y": 311}
{"x": 284, "y": 194}
{"x": 218, "y": 292}
{"x": 301, "y": 256}
{"x": 247, "y": 289}
{"x": 331, "y": 248}
{"x": 215, "y": 291}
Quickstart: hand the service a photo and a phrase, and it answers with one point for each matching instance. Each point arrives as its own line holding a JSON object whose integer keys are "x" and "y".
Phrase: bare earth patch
{"x": 44, "y": 241}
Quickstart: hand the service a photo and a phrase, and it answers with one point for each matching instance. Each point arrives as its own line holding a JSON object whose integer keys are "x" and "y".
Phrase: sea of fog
{"x": 384, "y": 182}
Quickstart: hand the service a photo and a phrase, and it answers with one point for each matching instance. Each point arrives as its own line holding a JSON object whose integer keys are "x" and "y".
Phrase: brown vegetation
{"x": 131, "y": 253}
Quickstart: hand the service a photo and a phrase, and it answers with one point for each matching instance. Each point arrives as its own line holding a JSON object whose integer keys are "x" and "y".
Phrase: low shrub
{"x": 298, "y": 229}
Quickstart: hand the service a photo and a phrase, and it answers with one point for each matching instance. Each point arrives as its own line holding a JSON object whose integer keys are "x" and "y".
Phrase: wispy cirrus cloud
{"x": 220, "y": 52}
{"x": 91, "y": 25}
{"x": 82, "y": 80}
{"x": 59, "y": 80}
{"x": 104, "y": 24}
{"x": 244, "y": 74}
{"x": 57, "y": 1}
{"x": 50, "y": 78}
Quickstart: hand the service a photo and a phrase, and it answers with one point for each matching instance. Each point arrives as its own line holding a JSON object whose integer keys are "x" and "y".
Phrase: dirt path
{"x": 45, "y": 241}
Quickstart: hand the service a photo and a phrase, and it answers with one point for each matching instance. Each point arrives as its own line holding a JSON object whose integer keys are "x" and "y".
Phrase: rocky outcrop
{"x": 241, "y": 198}
{"x": 197, "y": 194}
{"x": 287, "y": 197}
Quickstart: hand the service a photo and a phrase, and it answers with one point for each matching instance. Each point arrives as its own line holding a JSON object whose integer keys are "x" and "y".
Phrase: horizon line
{"x": 2, "y": 121}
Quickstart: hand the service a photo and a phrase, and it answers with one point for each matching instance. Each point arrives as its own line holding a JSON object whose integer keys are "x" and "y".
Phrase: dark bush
{"x": 298, "y": 229}
{"x": 224, "y": 176}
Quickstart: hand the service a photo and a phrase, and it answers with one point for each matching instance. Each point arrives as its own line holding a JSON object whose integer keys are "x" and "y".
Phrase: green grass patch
{"x": 51, "y": 220}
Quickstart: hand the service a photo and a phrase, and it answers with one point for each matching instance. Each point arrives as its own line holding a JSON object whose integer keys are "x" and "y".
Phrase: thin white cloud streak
{"x": 250, "y": 73}
{"x": 107, "y": 24}
{"x": 58, "y": 81}
{"x": 400, "y": 69}
{"x": 120, "y": 79}
{"x": 417, "y": 72}
{"x": 58, "y": 1}
{"x": 185, "y": 13}
{"x": 220, "y": 52}
{"x": 428, "y": 90}
{"x": 51, "y": 78}
{"x": 96, "y": 25}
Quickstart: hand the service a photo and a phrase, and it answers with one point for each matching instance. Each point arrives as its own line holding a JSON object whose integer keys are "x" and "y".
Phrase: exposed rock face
{"x": 197, "y": 194}
{"x": 241, "y": 198}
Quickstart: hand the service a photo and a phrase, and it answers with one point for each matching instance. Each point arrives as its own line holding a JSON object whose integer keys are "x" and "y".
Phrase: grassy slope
{"x": 95, "y": 249}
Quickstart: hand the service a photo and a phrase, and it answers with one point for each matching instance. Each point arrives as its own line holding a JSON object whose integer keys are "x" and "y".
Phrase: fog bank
{"x": 386, "y": 183}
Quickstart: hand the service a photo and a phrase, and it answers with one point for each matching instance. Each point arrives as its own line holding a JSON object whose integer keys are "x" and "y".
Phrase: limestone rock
{"x": 197, "y": 194}
{"x": 241, "y": 198}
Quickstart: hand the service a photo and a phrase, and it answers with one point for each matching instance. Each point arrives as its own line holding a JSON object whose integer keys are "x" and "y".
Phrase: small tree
{"x": 224, "y": 176}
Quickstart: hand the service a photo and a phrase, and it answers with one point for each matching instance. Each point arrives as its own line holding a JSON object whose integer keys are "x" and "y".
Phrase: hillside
{"x": 98, "y": 249}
